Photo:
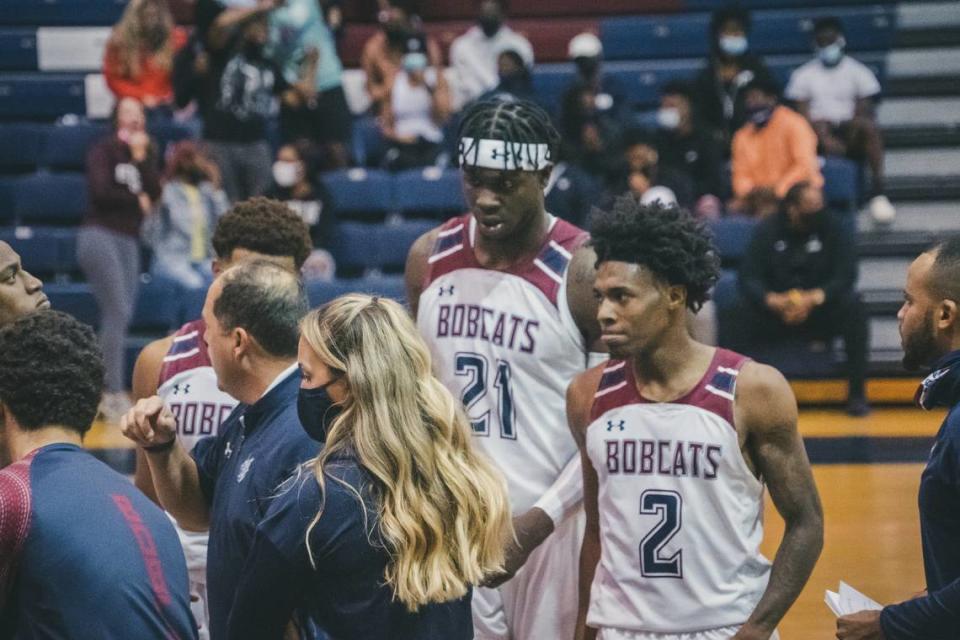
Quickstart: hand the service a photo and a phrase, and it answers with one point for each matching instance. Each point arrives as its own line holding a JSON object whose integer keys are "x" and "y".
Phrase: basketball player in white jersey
{"x": 678, "y": 440}
{"x": 503, "y": 296}
{"x": 177, "y": 368}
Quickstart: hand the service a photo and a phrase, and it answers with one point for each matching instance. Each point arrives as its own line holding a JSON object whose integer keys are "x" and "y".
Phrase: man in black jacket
{"x": 718, "y": 88}
{"x": 799, "y": 277}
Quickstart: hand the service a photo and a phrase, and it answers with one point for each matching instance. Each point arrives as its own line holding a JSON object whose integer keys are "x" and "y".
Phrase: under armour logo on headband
{"x": 503, "y": 155}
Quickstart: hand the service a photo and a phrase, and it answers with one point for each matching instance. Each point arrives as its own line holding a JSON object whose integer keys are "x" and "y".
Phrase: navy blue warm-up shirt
{"x": 937, "y": 616}
{"x": 345, "y": 595}
{"x": 85, "y": 555}
{"x": 240, "y": 469}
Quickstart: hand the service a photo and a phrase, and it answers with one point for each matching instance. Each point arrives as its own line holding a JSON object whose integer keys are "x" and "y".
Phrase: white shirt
{"x": 474, "y": 58}
{"x": 413, "y": 107}
{"x": 832, "y": 91}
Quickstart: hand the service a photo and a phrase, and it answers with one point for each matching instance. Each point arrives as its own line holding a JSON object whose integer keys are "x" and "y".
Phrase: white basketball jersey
{"x": 681, "y": 514}
{"x": 506, "y": 344}
{"x": 188, "y": 385}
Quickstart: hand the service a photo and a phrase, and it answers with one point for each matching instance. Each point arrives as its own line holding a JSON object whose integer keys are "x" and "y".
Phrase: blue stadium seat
{"x": 368, "y": 142}
{"x": 41, "y": 96}
{"x": 18, "y": 49}
{"x": 639, "y": 37}
{"x": 158, "y": 308}
{"x": 868, "y": 28}
{"x": 731, "y": 236}
{"x": 46, "y": 252}
{"x": 429, "y": 191}
{"x": 774, "y": 31}
{"x": 641, "y": 80}
{"x": 74, "y": 298}
{"x": 6, "y": 200}
{"x": 50, "y": 198}
{"x": 841, "y": 182}
{"x": 392, "y": 287}
{"x": 360, "y": 192}
{"x": 21, "y": 146}
{"x": 362, "y": 247}
{"x": 61, "y": 12}
{"x": 67, "y": 145}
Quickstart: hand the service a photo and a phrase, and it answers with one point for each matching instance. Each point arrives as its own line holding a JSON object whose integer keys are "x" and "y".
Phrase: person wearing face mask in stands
{"x": 775, "y": 150}
{"x": 718, "y": 88}
{"x": 516, "y": 83}
{"x": 383, "y": 53}
{"x": 475, "y": 55}
{"x": 419, "y": 106}
{"x": 691, "y": 150}
{"x": 594, "y": 108}
{"x": 799, "y": 278}
{"x": 837, "y": 94}
{"x": 191, "y": 203}
{"x": 296, "y": 185}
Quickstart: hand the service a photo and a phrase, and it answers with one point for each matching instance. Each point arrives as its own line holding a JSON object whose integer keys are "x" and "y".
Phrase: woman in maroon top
{"x": 124, "y": 182}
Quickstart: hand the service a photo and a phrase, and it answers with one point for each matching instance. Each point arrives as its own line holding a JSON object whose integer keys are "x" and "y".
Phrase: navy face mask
{"x": 317, "y": 411}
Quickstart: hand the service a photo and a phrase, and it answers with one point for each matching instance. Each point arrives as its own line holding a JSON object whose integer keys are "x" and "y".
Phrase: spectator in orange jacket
{"x": 775, "y": 150}
{"x": 139, "y": 54}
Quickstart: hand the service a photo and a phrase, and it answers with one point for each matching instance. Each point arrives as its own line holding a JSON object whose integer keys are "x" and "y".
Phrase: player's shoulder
{"x": 763, "y": 397}
{"x": 15, "y": 496}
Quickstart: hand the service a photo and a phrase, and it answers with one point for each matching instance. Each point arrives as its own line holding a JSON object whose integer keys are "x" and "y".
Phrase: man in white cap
{"x": 593, "y": 110}
{"x": 474, "y": 54}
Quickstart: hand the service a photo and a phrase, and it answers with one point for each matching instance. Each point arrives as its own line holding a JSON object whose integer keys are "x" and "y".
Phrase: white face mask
{"x": 831, "y": 54}
{"x": 668, "y": 118}
{"x": 285, "y": 173}
{"x": 734, "y": 45}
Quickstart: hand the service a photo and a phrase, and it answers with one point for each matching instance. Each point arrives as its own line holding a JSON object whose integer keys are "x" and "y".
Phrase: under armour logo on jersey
{"x": 621, "y": 425}
{"x": 446, "y": 290}
{"x": 227, "y": 451}
{"x": 244, "y": 469}
{"x": 177, "y": 388}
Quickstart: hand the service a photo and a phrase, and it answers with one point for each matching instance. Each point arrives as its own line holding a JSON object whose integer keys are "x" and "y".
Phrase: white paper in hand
{"x": 848, "y": 600}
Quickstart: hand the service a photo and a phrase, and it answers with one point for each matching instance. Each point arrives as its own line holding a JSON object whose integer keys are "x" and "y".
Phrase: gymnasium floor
{"x": 868, "y": 472}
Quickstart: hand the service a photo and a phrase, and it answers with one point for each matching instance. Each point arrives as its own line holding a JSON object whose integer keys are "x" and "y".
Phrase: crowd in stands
{"x": 262, "y": 83}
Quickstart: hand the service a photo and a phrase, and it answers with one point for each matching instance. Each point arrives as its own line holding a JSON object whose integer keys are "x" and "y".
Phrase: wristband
{"x": 161, "y": 448}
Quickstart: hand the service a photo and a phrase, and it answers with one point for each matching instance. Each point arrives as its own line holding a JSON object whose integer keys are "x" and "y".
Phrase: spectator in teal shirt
{"x": 300, "y": 34}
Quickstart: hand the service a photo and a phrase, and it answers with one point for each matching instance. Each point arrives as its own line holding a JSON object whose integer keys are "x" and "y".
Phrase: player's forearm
{"x": 792, "y": 566}
{"x": 177, "y": 484}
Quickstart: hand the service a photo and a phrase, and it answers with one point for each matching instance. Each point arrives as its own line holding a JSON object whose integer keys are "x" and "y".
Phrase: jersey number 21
{"x": 476, "y": 367}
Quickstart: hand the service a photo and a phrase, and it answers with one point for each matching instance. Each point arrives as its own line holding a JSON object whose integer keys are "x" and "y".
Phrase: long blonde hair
{"x": 128, "y": 39}
{"x": 443, "y": 508}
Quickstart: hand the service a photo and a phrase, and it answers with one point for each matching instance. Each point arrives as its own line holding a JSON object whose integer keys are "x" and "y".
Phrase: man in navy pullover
{"x": 930, "y": 331}
{"x": 252, "y": 315}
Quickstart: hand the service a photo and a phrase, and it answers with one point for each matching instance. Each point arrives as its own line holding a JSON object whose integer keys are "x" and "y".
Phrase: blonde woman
{"x": 139, "y": 54}
{"x": 384, "y": 534}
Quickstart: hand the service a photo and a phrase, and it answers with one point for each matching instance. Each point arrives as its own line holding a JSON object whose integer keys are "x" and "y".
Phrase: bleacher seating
{"x": 50, "y": 199}
{"x": 21, "y": 145}
{"x": 46, "y": 252}
{"x": 360, "y": 192}
{"x": 731, "y": 236}
{"x": 364, "y": 248}
{"x": 18, "y": 49}
{"x": 430, "y": 192}
{"x": 320, "y": 292}
{"x": 66, "y": 146}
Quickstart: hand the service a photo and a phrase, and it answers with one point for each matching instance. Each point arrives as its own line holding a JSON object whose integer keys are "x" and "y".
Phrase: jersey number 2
{"x": 475, "y": 366}
{"x": 668, "y": 505}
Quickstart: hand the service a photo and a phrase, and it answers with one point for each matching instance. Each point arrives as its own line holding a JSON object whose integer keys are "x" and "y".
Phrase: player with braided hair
{"x": 503, "y": 296}
{"x": 678, "y": 440}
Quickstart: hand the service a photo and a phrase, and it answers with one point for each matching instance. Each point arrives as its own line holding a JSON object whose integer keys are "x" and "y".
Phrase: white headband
{"x": 503, "y": 155}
